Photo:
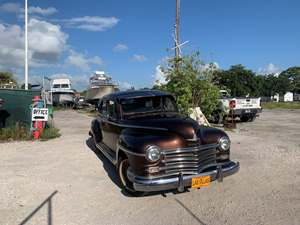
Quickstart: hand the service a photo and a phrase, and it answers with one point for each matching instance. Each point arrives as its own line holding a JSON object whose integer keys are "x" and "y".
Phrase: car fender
{"x": 133, "y": 142}
{"x": 96, "y": 130}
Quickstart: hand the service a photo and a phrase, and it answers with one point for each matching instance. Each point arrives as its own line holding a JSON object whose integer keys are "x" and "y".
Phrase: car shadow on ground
{"x": 107, "y": 165}
{"x": 111, "y": 172}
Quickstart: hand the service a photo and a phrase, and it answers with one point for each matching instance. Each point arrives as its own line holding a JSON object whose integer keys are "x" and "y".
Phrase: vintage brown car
{"x": 154, "y": 147}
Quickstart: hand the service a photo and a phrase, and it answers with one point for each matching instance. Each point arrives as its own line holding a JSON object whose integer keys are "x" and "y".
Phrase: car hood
{"x": 181, "y": 125}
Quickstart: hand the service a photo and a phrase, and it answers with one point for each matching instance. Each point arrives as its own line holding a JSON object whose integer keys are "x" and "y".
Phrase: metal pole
{"x": 177, "y": 29}
{"x": 26, "y": 47}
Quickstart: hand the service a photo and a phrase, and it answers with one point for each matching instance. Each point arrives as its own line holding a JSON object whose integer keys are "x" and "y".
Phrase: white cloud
{"x": 81, "y": 61}
{"x": 270, "y": 69}
{"x": 124, "y": 85}
{"x": 91, "y": 23}
{"x": 11, "y": 47}
{"x": 45, "y": 40}
{"x": 10, "y": 7}
{"x": 120, "y": 48}
{"x": 46, "y": 44}
{"x": 44, "y": 12}
{"x": 159, "y": 76}
{"x": 139, "y": 58}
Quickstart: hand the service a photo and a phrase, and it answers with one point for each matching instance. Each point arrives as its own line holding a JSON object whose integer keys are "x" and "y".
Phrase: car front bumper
{"x": 180, "y": 182}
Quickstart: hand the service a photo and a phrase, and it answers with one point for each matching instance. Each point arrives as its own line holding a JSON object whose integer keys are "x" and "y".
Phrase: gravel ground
{"x": 63, "y": 181}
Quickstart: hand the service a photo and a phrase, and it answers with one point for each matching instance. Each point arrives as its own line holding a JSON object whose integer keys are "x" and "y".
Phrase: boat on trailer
{"x": 62, "y": 92}
{"x": 100, "y": 84}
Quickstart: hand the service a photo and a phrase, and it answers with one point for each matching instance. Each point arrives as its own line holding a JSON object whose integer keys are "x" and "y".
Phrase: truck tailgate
{"x": 243, "y": 103}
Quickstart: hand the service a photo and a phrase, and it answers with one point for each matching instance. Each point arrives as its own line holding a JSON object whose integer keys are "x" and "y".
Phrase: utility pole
{"x": 26, "y": 47}
{"x": 177, "y": 29}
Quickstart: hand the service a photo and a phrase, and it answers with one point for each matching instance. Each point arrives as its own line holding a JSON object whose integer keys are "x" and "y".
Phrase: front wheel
{"x": 126, "y": 184}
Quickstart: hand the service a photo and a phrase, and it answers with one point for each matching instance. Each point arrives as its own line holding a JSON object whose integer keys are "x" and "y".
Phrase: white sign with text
{"x": 39, "y": 114}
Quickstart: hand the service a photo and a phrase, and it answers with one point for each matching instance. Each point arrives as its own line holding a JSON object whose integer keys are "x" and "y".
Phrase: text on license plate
{"x": 202, "y": 181}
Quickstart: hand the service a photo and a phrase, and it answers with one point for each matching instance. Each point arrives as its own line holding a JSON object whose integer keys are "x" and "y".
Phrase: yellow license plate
{"x": 198, "y": 182}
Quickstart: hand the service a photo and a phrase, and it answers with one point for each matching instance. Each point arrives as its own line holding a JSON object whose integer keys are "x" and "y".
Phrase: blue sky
{"x": 128, "y": 39}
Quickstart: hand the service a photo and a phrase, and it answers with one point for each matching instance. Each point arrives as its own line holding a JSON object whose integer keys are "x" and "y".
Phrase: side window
{"x": 102, "y": 108}
{"x": 111, "y": 109}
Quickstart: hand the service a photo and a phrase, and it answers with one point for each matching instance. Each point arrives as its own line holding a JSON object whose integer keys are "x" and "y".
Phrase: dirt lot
{"x": 64, "y": 182}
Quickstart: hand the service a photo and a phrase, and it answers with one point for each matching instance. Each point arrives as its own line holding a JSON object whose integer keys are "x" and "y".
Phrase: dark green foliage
{"x": 241, "y": 82}
{"x": 238, "y": 80}
{"x": 205, "y": 95}
{"x": 293, "y": 75}
{"x": 6, "y": 77}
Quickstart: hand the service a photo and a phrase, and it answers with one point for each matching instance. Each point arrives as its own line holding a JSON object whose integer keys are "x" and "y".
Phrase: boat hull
{"x": 61, "y": 98}
{"x": 95, "y": 93}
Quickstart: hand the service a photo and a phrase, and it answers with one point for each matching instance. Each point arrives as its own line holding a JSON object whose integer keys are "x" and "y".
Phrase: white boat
{"x": 100, "y": 84}
{"x": 62, "y": 92}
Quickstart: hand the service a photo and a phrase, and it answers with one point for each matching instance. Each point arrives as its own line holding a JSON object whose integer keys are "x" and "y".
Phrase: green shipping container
{"x": 17, "y": 105}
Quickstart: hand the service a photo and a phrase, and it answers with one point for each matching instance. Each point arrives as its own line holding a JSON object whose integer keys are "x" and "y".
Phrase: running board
{"x": 107, "y": 152}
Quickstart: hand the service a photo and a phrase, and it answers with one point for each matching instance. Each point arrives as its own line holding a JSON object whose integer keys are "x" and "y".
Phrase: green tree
{"x": 190, "y": 84}
{"x": 283, "y": 84}
{"x": 269, "y": 85}
{"x": 238, "y": 80}
{"x": 6, "y": 77}
{"x": 293, "y": 75}
{"x": 206, "y": 95}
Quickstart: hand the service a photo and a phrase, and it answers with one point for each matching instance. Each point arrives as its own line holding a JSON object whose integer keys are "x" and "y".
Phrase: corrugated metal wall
{"x": 17, "y": 104}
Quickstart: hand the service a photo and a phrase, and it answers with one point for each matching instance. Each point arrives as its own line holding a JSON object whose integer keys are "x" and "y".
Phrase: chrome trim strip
{"x": 190, "y": 149}
{"x": 101, "y": 148}
{"x": 131, "y": 152}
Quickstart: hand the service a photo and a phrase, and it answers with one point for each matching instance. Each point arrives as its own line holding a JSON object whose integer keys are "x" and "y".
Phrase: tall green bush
{"x": 190, "y": 82}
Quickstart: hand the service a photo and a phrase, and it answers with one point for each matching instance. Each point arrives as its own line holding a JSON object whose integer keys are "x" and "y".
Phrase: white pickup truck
{"x": 246, "y": 109}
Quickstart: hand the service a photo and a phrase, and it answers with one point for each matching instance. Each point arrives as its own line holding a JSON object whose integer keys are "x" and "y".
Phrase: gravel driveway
{"x": 63, "y": 181}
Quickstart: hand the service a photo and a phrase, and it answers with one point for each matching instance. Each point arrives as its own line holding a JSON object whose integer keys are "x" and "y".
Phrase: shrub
{"x": 50, "y": 133}
{"x": 16, "y": 132}
{"x": 20, "y": 132}
{"x": 189, "y": 80}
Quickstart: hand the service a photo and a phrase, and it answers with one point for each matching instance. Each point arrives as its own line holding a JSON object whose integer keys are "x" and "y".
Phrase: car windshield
{"x": 143, "y": 105}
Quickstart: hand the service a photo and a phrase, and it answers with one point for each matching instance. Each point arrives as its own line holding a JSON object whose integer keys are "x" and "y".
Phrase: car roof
{"x": 136, "y": 94}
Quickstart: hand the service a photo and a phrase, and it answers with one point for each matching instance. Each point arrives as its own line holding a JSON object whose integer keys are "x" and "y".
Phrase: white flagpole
{"x": 26, "y": 47}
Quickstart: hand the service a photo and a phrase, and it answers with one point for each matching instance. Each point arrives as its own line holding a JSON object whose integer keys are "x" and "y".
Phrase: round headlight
{"x": 224, "y": 143}
{"x": 152, "y": 153}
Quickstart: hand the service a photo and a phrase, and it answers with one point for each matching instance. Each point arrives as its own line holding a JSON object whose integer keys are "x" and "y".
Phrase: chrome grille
{"x": 189, "y": 160}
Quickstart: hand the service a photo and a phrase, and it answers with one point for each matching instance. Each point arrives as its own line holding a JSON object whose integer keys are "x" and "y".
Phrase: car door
{"x": 109, "y": 124}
